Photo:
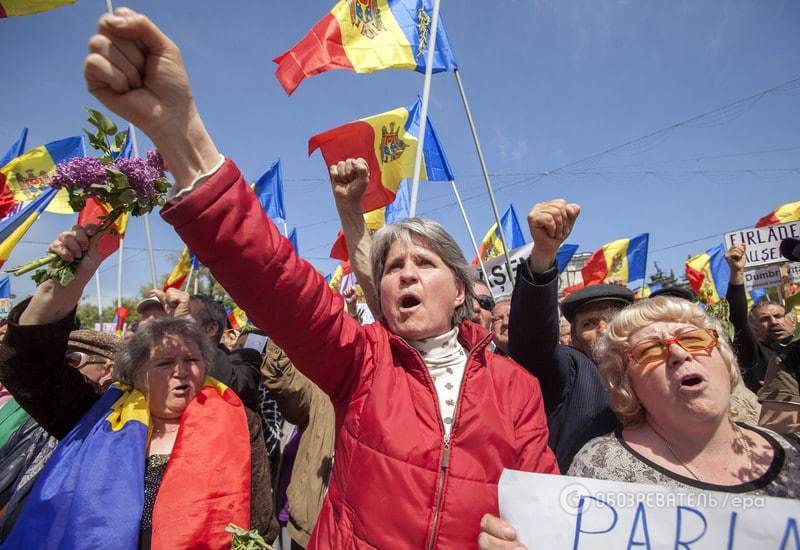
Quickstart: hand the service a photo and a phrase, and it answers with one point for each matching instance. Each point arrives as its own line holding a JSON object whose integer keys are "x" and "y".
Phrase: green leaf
{"x": 119, "y": 139}
{"x": 76, "y": 202}
{"x": 101, "y": 122}
{"x": 128, "y": 196}
{"x": 40, "y": 275}
{"x": 67, "y": 274}
{"x": 117, "y": 178}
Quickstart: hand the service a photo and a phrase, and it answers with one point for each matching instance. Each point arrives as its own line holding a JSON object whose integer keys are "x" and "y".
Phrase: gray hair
{"x": 434, "y": 237}
{"x": 132, "y": 358}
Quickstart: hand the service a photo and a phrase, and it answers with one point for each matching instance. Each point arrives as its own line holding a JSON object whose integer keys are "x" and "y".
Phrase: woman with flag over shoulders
{"x": 165, "y": 458}
{"x": 426, "y": 417}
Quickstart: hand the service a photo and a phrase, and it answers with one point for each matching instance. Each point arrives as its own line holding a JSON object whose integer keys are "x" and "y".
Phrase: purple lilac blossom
{"x": 79, "y": 173}
{"x": 155, "y": 160}
{"x": 141, "y": 176}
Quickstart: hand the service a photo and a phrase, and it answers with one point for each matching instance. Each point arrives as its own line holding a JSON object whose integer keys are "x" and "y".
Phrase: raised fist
{"x": 349, "y": 179}
{"x": 550, "y": 224}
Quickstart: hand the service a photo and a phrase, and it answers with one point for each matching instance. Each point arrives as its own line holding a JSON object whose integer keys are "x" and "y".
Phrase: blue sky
{"x": 550, "y": 82}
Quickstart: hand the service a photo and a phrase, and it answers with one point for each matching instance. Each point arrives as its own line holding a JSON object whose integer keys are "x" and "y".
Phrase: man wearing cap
{"x": 574, "y": 398}
{"x": 150, "y": 308}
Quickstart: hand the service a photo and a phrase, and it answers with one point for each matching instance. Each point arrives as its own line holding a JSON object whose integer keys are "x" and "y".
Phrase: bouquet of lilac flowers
{"x": 125, "y": 185}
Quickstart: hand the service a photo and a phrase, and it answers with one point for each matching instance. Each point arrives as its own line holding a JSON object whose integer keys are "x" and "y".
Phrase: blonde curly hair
{"x": 612, "y": 348}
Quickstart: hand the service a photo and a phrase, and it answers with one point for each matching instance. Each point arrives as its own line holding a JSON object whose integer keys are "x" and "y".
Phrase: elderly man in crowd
{"x": 761, "y": 332}
{"x": 500, "y": 319}
{"x": 483, "y": 306}
{"x": 574, "y": 399}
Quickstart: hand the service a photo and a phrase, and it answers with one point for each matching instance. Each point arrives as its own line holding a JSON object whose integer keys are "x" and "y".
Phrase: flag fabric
{"x": 95, "y": 477}
{"x": 5, "y": 287}
{"x": 293, "y": 240}
{"x": 178, "y": 275}
{"x": 388, "y": 142}
{"x": 623, "y": 260}
{"x": 29, "y": 175}
{"x": 399, "y": 208}
{"x": 7, "y": 202}
{"x": 11, "y": 8}
{"x": 14, "y": 227}
{"x": 194, "y": 262}
{"x": 492, "y": 245}
{"x": 120, "y": 315}
{"x": 564, "y": 255}
{"x": 237, "y": 317}
{"x": 365, "y": 36}
{"x": 269, "y": 190}
{"x": 92, "y": 214}
{"x": 789, "y": 212}
{"x": 709, "y": 274}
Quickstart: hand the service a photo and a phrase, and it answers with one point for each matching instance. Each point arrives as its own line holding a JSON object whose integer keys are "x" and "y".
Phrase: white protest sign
{"x": 5, "y": 307}
{"x": 763, "y": 243}
{"x": 763, "y": 277}
{"x": 499, "y": 281}
{"x": 555, "y": 512}
{"x": 794, "y": 272}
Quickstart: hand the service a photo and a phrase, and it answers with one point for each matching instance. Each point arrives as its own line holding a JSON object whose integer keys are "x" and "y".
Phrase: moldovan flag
{"x": 622, "y": 261}
{"x": 92, "y": 214}
{"x": 7, "y": 202}
{"x": 9, "y": 8}
{"x": 15, "y": 226}
{"x": 789, "y": 212}
{"x": 179, "y": 273}
{"x": 709, "y": 274}
{"x": 388, "y": 142}
{"x": 29, "y": 174}
{"x": 492, "y": 244}
{"x": 365, "y": 36}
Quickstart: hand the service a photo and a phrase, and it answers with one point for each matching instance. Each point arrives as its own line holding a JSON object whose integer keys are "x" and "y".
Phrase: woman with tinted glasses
{"x": 669, "y": 372}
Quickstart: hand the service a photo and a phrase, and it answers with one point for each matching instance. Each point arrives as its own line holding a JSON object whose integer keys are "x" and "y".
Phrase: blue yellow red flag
{"x": 15, "y": 226}
{"x": 11, "y": 8}
{"x": 30, "y": 174}
{"x": 293, "y": 239}
{"x": 623, "y": 261}
{"x": 564, "y": 255}
{"x": 709, "y": 274}
{"x": 785, "y": 213}
{"x": 178, "y": 275}
{"x": 7, "y": 202}
{"x": 492, "y": 244}
{"x": 269, "y": 190}
{"x": 16, "y": 149}
{"x": 365, "y": 36}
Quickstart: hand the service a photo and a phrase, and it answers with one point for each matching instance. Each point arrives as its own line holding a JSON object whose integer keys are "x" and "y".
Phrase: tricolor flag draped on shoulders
{"x": 14, "y": 227}
{"x": 29, "y": 175}
{"x": 709, "y": 274}
{"x": 789, "y": 212}
{"x": 365, "y": 36}
{"x": 624, "y": 261}
{"x": 492, "y": 244}
{"x": 11, "y": 8}
{"x": 92, "y": 488}
{"x": 7, "y": 202}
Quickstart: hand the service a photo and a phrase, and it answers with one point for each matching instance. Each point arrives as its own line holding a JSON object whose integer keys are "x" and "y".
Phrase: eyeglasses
{"x": 653, "y": 351}
{"x": 486, "y": 302}
{"x": 77, "y": 359}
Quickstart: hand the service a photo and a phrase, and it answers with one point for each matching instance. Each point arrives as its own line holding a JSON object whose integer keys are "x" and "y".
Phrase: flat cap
{"x": 675, "y": 292}
{"x": 94, "y": 342}
{"x": 592, "y": 294}
{"x": 148, "y": 302}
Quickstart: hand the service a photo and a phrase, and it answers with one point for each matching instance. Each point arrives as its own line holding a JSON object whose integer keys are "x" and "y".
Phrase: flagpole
{"x": 189, "y": 277}
{"x": 119, "y": 271}
{"x": 148, "y": 234}
{"x": 471, "y": 235}
{"x": 423, "y": 124}
{"x": 285, "y": 229}
{"x": 99, "y": 298}
{"x": 485, "y": 175}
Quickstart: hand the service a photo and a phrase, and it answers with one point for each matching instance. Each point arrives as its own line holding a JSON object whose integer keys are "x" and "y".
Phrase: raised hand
{"x": 79, "y": 243}
{"x": 550, "y": 224}
{"x": 135, "y": 70}
{"x": 349, "y": 179}
{"x": 174, "y": 300}
{"x": 735, "y": 256}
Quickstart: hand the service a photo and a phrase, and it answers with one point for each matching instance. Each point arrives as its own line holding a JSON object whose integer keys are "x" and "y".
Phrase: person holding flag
{"x": 436, "y": 462}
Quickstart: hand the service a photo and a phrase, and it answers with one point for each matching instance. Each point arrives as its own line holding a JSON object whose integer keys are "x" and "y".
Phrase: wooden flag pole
{"x": 471, "y": 235}
{"x": 423, "y": 119}
{"x": 485, "y": 175}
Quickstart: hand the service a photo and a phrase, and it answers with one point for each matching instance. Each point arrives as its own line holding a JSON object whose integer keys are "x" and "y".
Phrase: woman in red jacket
{"x": 426, "y": 417}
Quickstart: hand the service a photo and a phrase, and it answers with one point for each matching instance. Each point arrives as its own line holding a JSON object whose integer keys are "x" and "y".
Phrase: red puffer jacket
{"x": 395, "y": 483}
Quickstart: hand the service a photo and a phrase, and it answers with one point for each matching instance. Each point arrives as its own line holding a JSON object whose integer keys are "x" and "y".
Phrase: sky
{"x": 551, "y": 83}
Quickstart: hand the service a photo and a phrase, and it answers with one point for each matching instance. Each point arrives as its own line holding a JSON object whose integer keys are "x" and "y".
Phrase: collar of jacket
{"x": 472, "y": 336}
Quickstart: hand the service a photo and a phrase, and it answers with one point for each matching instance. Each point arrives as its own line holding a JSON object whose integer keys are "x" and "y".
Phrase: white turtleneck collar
{"x": 446, "y": 360}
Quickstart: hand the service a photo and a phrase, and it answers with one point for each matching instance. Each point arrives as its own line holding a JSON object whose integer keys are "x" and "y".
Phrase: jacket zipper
{"x": 439, "y": 487}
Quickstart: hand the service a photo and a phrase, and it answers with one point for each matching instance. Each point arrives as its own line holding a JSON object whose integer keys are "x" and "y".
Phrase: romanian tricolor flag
{"x": 92, "y": 488}
{"x": 622, "y": 261}
{"x": 15, "y": 226}
{"x": 709, "y": 274}
{"x": 366, "y": 36}
{"x": 492, "y": 244}
{"x": 388, "y": 142}
{"x": 92, "y": 214}
{"x": 237, "y": 317}
{"x": 7, "y": 202}
{"x": 789, "y": 212}
{"x": 179, "y": 273}
{"x": 10, "y": 8}
{"x": 29, "y": 174}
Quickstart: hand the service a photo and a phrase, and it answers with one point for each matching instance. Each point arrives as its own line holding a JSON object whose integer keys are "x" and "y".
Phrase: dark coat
{"x": 575, "y": 400}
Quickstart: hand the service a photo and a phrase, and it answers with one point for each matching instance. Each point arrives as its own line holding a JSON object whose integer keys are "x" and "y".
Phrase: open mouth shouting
{"x": 691, "y": 383}
{"x": 409, "y": 302}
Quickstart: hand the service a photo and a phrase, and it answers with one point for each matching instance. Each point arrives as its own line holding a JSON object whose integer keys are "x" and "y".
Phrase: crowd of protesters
{"x": 340, "y": 434}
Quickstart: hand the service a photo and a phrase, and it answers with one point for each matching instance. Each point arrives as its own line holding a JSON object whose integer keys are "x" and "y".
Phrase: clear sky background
{"x": 550, "y": 83}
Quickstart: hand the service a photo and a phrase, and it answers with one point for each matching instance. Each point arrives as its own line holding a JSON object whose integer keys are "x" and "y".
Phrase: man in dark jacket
{"x": 756, "y": 334}
{"x": 574, "y": 398}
